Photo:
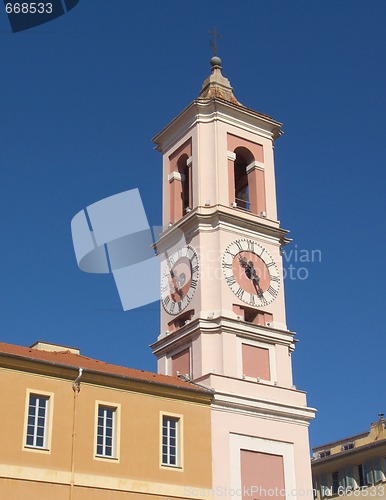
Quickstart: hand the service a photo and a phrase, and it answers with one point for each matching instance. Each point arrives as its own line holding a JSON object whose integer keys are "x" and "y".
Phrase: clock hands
{"x": 250, "y": 272}
{"x": 177, "y": 280}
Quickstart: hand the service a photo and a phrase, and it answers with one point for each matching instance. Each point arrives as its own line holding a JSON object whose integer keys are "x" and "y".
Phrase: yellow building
{"x": 77, "y": 428}
{"x": 352, "y": 467}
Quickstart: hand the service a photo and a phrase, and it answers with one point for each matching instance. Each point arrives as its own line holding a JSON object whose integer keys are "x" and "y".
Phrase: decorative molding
{"x": 100, "y": 482}
{"x": 255, "y": 165}
{"x": 209, "y": 111}
{"x": 270, "y": 409}
{"x": 189, "y": 161}
{"x": 231, "y": 155}
{"x": 175, "y": 176}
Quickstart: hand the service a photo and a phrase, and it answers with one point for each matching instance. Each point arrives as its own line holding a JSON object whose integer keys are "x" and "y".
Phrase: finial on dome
{"x": 215, "y": 61}
{"x": 216, "y": 85}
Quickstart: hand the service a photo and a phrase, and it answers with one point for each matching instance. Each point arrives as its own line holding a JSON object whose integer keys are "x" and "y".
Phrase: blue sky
{"x": 82, "y": 96}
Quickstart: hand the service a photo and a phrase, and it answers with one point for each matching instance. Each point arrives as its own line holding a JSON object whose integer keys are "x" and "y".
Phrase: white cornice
{"x": 262, "y": 407}
{"x": 226, "y": 325}
{"x": 221, "y": 217}
{"x": 206, "y": 111}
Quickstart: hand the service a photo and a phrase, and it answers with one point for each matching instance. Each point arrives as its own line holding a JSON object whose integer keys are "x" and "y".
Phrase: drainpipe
{"x": 76, "y": 389}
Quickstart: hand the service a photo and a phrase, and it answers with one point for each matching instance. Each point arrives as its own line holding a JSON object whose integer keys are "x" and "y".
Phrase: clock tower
{"x": 223, "y": 321}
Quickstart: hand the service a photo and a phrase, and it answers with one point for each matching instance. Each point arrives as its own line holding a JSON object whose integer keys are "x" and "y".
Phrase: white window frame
{"x": 47, "y": 432}
{"x": 115, "y": 441}
{"x": 179, "y": 441}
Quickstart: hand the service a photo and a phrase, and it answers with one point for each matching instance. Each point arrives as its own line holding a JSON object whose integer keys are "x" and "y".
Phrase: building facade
{"x": 352, "y": 467}
{"x": 77, "y": 428}
{"x": 222, "y": 417}
{"x": 223, "y": 320}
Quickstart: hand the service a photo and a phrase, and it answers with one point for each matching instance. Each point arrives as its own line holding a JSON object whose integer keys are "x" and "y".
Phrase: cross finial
{"x": 213, "y": 43}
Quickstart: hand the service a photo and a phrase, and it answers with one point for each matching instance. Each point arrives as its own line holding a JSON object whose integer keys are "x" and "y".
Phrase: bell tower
{"x": 223, "y": 321}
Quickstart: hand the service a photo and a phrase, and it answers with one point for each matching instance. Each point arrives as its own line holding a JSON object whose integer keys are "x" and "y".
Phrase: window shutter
{"x": 350, "y": 478}
{"x": 378, "y": 476}
{"x": 325, "y": 490}
{"x": 342, "y": 480}
{"x": 368, "y": 472}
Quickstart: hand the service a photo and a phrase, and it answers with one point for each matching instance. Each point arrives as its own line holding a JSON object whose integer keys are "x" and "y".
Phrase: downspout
{"x": 76, "y": 389}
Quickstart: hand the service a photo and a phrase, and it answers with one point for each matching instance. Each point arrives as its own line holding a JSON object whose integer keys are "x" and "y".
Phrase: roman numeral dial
{"x": 179, "y": 279}
{"x": 251, "y": 272}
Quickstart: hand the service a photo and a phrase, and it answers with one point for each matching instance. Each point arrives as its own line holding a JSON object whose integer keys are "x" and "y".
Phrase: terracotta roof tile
{"x": 67, "y": 358}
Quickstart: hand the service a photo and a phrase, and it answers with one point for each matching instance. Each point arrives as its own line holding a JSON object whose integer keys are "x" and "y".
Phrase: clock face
{"x": 251, "y": 272}
{"x": 179, "y": 279}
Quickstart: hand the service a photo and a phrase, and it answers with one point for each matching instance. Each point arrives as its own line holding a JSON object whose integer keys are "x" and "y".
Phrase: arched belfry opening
{"x": 186, "y": 182}
{"x": 246, "y": 175}
{"x": 242, "y": 189}
{"x": 180, "y": 193}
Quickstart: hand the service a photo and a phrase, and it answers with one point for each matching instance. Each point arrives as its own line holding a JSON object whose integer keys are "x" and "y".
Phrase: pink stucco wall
{"x": 261, "y": 475}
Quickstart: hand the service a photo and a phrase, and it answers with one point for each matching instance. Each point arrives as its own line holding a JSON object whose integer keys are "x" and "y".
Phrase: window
{"x": 170, "y": 438}
{"x": 106, "y": 431}
{"x": 180, "y": 193}
{"x": 350, "y": 477}
{"x": 361, "y": 479}
{"x": 37, "y": 421}
{"x": 335, "y": 482}
{"x": 368, "y": 473}
{"x": 378, "y": 473}
{"x": 241, "y": 183}
{"x": 185, "y": 172}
